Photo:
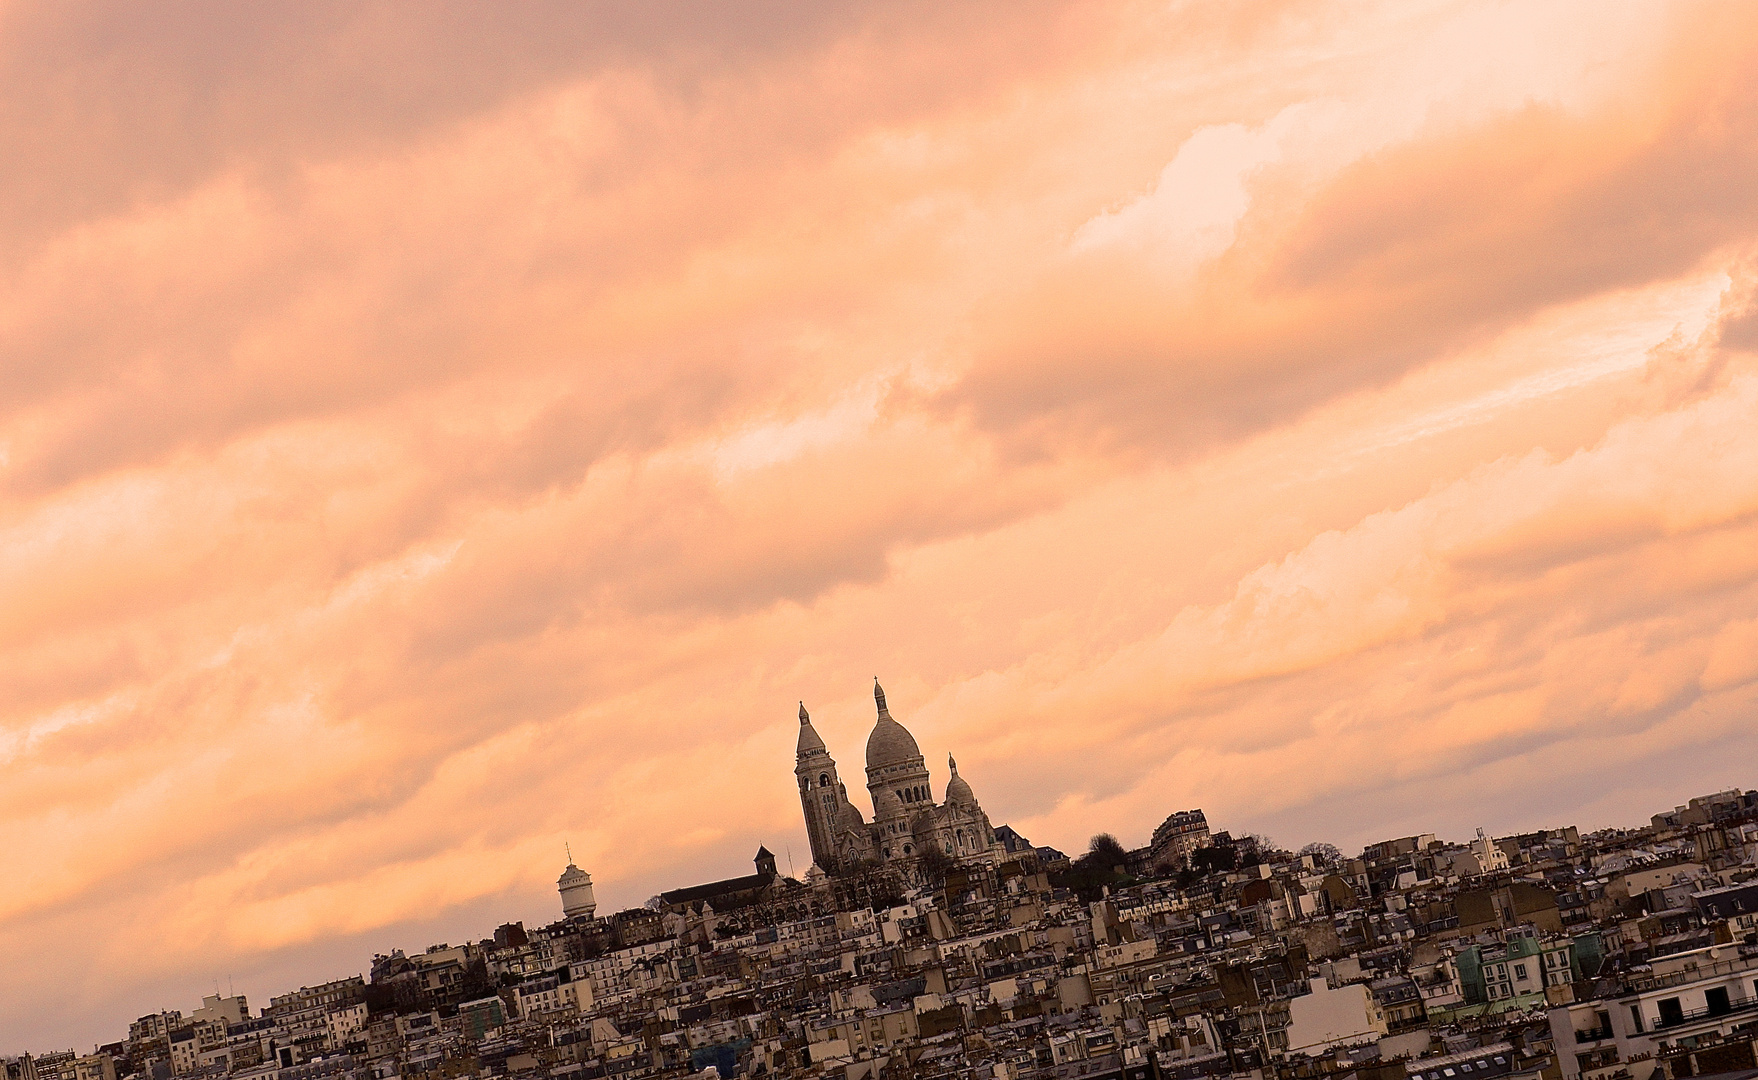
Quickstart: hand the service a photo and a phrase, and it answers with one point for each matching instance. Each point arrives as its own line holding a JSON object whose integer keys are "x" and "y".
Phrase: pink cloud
{"x": 427, "y": 440}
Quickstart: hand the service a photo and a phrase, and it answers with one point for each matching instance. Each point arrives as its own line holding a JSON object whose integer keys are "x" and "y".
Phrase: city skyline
{"x": 262, "y": 987}
{"x": 574, "y": 903}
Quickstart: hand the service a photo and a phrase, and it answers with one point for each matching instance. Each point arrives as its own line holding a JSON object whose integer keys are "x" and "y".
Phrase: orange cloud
{"x": 425, "y": 440}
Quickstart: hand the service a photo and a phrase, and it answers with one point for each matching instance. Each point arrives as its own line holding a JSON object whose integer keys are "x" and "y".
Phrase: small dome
{"x": 958, "y": 791}
{"x": 809, "y": 742}
{"x": 890, "y": 743}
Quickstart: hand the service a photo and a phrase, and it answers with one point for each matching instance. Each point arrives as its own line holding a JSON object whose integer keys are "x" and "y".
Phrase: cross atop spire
{"x": 879, "y": 697}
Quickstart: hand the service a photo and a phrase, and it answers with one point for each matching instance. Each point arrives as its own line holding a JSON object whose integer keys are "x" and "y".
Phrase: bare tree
{"x": 1104, "y": 851}
{"x": 1322, "y": 853}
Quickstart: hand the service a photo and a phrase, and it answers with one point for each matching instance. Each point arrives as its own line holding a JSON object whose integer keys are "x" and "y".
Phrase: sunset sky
{"x": 432, "y": 434}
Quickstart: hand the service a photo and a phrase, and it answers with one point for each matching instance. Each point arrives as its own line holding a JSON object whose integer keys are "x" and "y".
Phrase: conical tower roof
{"x": 809, "y": 742}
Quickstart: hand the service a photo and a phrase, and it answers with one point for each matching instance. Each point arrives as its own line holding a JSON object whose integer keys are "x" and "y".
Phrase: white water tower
{"x": 575, "y": 885}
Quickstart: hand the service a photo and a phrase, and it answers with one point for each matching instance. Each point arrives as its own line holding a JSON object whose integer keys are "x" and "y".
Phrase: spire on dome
{"x": 958, "y": 789}
{"x": 879, "y": 698}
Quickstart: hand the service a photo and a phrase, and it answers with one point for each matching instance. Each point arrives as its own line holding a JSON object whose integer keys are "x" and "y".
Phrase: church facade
{"x": 908, "y": 821}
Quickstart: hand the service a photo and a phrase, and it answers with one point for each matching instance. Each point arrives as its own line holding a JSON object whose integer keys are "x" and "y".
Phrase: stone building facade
{"x": 907, "y": 819}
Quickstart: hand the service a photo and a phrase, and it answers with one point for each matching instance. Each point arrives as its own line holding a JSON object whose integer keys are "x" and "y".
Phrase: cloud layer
{"x": 429, "y": 435}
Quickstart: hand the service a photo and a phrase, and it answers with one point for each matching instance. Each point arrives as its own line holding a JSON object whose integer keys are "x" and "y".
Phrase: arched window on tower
{"x": 823, "y": 779}
{"x": 907, "y": 850}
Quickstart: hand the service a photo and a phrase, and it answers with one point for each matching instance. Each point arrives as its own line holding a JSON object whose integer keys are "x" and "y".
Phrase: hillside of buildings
{"x": 1616, "y": 955}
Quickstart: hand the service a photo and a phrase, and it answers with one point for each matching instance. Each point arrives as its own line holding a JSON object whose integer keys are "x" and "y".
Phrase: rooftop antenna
{"x": 569, "y": 848}
{"x": 789, "y": 848}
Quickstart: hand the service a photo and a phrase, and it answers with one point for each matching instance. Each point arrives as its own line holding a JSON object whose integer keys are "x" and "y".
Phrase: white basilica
{"x": 907, "y": 821}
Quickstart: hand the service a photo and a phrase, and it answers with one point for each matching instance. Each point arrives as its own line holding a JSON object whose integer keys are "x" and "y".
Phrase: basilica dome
{"x": 890, "y": 743}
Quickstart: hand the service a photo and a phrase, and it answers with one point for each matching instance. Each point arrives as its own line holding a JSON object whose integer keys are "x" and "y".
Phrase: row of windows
{"x": 1437, "y": 1074}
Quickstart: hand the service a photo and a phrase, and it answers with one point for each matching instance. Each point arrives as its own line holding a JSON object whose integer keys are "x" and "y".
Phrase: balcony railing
{"x": 1706, "y": 1014}
{"x": 1745, "y": 962}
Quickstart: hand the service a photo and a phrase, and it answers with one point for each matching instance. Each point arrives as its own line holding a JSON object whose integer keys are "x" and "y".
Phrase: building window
{"x": 1519, "y": 971}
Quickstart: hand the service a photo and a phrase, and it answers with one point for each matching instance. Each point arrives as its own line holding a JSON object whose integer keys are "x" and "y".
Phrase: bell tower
{"x": 821, "y": 794}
